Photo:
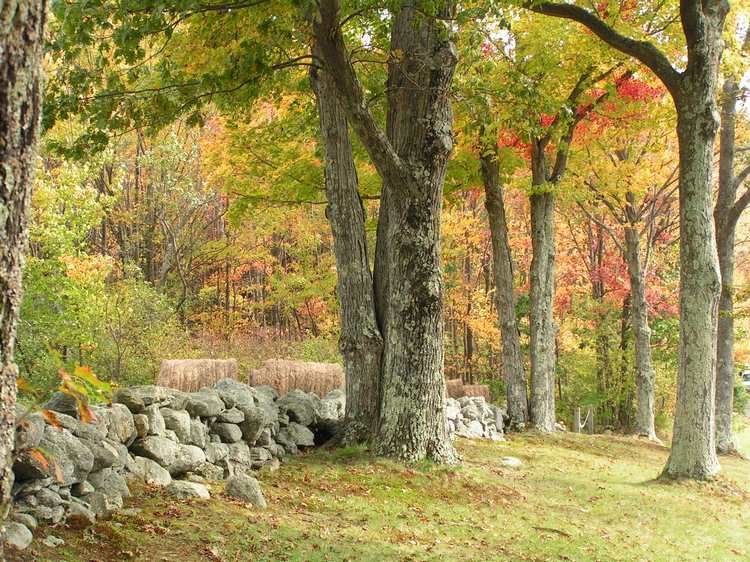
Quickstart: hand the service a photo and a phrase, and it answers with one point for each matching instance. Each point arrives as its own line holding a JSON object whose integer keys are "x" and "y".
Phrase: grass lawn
{"x": 576, "y": 498}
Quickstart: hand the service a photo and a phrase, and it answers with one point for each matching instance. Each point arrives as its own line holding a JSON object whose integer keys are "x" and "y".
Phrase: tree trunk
{"x": 725, "y": 224}
{"x": 693, "y": 452}
{"x": 21, "y": 35}
{"x": 360, "y": 343}
{"x": 412, "y": 422}
{"x": 512, "y": 359}
{"x": 541, "y": 295}
{"x": 644, "y": 370}
{"x": 411, "y": 162}
{"x": 543, "y": 329}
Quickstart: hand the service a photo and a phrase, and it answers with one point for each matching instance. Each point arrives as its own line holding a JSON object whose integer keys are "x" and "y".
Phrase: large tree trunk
{"x": 411, "y": 162}
{"x": 542, "y": 292}
{"x": 361, "y": 343}
{"x": 693, "y": 452}
{"x": 513, "y": 369}
{"x": 412, "y": 423}
{"x": 644, "y": 370}
{"x": 21, "y": 34}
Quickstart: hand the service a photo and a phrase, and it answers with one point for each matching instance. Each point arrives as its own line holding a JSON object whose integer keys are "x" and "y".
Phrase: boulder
{"x": 299, "y": 406}
{"x": 105, "y": 453}
{"x": 332, "y": 406}
{"x": 103, "y": 505}
{"x": 25, "y": 519}
{"x": 141, "y": 424}
{"x": 49, "y": 498}
{"x": 300, "y": 435}
{"x": 110, "y": 483}
{"x": 259, "y": 456}
{"x": 63, "y": 403}
{"x": 232, "y": 415}
{"x": 209, "y": 471}
{"x": 185, "y": 490}
{"x": 255, "y": 419}
{"x": 121, "y": 425}
{"x": 71, "y": 456}
{"x": 452, "y": 409}
{"x": 79, "y": 516}
{"x": 511, "y": 462}
{"x": 229, "y": 432}
{"x": 17, "y": 535}
{"x": 233, "y": 392}
{"x": 136, "y": 398}
{"x": 245, "y": 488}
{"x": 188, "y": 457}
{"x": 151, "y": 472}
{"x": 216, "y": 452}
{"x": 179, "y": 422}
{"x": 205, "y": 403}
{"x": 159, "y": 449}
{"x": 198, "y": 433}
{"x": 265, "y": 392}
{"x": 29, "y": 429}
{"x": 82, "y": 488}
{"x": 156, "y": 422}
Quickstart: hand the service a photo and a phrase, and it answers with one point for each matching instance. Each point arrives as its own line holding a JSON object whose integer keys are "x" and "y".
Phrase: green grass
{"x": 576, "y": 498}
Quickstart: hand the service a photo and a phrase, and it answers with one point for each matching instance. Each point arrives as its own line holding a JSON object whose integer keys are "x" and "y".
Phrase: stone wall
{"x": 67, "y": 470}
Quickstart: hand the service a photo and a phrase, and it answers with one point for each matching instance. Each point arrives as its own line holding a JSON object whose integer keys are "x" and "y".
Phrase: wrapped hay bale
{"x": 285, "y": 375}
{"x": 454, "y": 388}
{"x": 477, "y": 390}
{"x": 190, "y": 375}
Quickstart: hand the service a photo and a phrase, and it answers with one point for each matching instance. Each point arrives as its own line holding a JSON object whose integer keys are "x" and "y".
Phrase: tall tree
{"x": 410, "y": 157}
{"x": 360, "y": 342}
{"x": 693, "y": 453}
{"x": 727, "y": 212}
{"x": 21, "y": 34}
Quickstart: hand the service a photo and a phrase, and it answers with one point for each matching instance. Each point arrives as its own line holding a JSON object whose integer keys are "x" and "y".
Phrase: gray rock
{"x": 48, "y": 498}
{"x": 103, "y": 505}
{"x": 121, "y": 425}
{"x": 105, "y": 453}
{"x": 245, "y": 488}
{"x": 185, "y": 490}
{"x": 179, "y": 422}
{"x": 159, "y": 449}
{"x": 287, "y": 442}
{"x": 79, "y": 516}
{"x": 209, "y": 471}
{"x": 299, "y": 406}
{"x": 266, "y": 392}
{"x": 124, "y": 458}
{"x": 52, "y": 541}
{"x": 229, "y": 432}
{"x": 25, "y": 519}
{"x": 276, "y": 450}
{"x": 156, "y": 422}
{"x": 205, "y": 403}
{"x": 63, "y": 403}
{"x": 171, "y": 435}
{"x": 332, "y": 406}
{"x": 233, "y": 392}
{"x": 141, "y": 424}
{"x": 109, "y": 482}
{"x": 216, "y": 452}
{"x": 233, "y": 415}
{"x": 151, "y": 472}
{"x": 259, "y": 456}
{"x": 255, "y": 419}
{"x": 50, "y": 515}
{"x": 301, "y": 435}
{"x": 136, "y": 398}
{"x": 471, "y": 413}
{"x": 29, "y": 430}
{"x": 17, "y": 535}
{"x": 82, "y": 488}
{"x": 264, "y": 438}
{"x": 28, "y": 487}
{"x": 452, "y": 409}
{"x": 198, "y": 433}
{"x": 188, "y": 457}
{"x": 61, "y": 448}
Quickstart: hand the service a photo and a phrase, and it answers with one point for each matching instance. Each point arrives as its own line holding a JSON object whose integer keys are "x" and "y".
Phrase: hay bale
{"x": 477, "y": 390}
{"x": 454, "y": 388}
{"x": 190, "y": 375}
{"x": 285, "y": 375}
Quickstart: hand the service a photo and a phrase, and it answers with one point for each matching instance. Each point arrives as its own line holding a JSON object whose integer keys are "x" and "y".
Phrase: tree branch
{"x": 644, "y": 51}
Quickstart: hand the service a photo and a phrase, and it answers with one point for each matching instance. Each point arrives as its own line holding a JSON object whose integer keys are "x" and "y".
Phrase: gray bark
{"x": 644, "y": 370}
{"x": 726, "y": 214}
{"x": 542, "y": 292}
{"x": 411, "y": 162}
{"x": 21, "y": 34}
{"x": 360, "y": 342}
{"x": 513, "y": 369}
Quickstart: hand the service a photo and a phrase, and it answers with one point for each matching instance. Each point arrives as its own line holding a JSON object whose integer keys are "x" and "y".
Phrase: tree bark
{"x": 726, "y": 214}
{"x": 21, "y": 84}
{"x": 644, "y": 370}
{"x": 513, "y": 369}
{"x": 360, "y": 342}
{"x": 411, "y": 162}
{"x": 541, "y": 295}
